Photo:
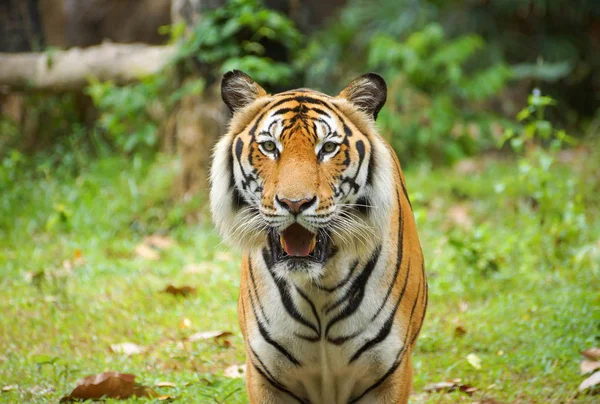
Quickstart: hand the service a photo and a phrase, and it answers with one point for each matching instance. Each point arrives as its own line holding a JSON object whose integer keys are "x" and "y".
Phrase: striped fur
{"x": 340, "y": 330}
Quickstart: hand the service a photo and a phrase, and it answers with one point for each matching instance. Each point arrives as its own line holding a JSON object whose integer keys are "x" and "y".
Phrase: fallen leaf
{"x": 108, "y": 385}
{"x": 450, "y": 386}
{"x": 474, "y": 360}
{"x": 9, "y": 388}
{"x": 180, "y": 291}
{"x": 463, "y": 306}
{"x": 146, "y": 252}
{"x": 165, "y": 384}
{"x": 592, "y": 354}
{"x": 459, "y": 331}
{"x": 185, "y": 323}
{"x": 127, "y": 348}
{"x": 158, "y": 242}
{"x": 590, "y": 383}
{"x": 200, "y": 268}
{"x": 205, "y": 335}
{"x": 235, "y": 371}
{"x": 587, "y": 366}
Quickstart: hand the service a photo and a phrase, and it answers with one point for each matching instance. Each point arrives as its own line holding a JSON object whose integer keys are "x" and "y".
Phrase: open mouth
{"x": 299, "y": 243}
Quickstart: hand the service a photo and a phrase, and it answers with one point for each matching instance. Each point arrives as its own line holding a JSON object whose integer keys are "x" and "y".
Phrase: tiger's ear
{"x": 238, "y": 90}
{"x": 367, "y": 92}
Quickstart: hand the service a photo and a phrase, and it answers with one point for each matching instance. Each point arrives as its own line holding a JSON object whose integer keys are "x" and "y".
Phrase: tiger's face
{"x": 296, "y": 174}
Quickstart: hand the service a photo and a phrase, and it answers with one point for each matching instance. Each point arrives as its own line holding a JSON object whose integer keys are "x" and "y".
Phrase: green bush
{"x": 435, "y": 101}
{"x": 235, "y": 36}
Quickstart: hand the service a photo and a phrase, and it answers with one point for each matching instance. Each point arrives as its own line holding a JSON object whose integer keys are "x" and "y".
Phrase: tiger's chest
{"x": 326, "y": 344}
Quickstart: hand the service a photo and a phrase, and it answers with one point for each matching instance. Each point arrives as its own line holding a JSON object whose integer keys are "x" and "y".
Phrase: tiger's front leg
{"x": 261, "y": 391}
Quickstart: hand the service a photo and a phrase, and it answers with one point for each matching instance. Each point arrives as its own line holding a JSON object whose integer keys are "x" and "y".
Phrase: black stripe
{"x": 385, "y": 330}
{"x": 288, "y": 303}
{"x": 271, "y": 379}
{"x": 371, "y": 166}
{"x": 355, "y": 294}
{"x": 253, "y": 281}
{"x": 342, "y": 282}
{"x": 312, "y": 307}
{"x": 363, "y": 205}
{"x": 267, "y": 337}
{"x": 397, "y": 362}
{"x": 400, "y": 247}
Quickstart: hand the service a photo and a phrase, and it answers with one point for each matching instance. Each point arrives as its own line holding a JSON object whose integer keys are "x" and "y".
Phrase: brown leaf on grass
{"x": 109, "y": 385}
{"x": 449, "y": 387}
{"x": 146, "y": 252}
{"x": 9, "y": 387}
{"x": 205, "y": 335}
{"x": 180, "y": 291}
{"x": 199, "y": 268}
{"x": 220, "y": 337}
{"x": 159, "y": 242}
{"x": 592, "y": 354}
{"x": 460, "y": 331}
{"x": 587, "y": 366}
{"x": 235, "y": 371}
{"x": 151, "y": 245}
{"x": 165, "y": 384}
{"x": 127, "y": 348}
{"x": 592, "y": 384}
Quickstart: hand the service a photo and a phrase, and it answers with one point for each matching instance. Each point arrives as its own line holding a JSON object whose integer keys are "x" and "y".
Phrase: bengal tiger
{"x": 333, "y": 289}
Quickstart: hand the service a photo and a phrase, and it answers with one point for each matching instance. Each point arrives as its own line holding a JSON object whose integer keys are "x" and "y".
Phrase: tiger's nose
{"x": 296, "y": 206}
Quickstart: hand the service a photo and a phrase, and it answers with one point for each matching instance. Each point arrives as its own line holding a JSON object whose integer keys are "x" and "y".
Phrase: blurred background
{"x": 108, "y": 113}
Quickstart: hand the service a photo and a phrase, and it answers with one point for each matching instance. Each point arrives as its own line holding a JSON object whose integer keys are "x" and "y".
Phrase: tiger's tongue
{"x": 297, "y": 241}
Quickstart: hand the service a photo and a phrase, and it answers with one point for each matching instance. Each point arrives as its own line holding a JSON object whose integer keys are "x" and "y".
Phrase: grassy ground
{"x": 513, "y": 281}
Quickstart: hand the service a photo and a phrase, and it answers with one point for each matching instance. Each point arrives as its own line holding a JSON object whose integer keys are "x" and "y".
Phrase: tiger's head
{"x": 302, "y": 175}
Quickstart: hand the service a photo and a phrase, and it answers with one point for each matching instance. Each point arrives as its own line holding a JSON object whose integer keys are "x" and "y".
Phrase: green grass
{"x": 523, "y": 282}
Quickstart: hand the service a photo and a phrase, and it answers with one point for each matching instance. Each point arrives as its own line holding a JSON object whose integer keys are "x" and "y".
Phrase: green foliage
{"x": 238, "y": 35}
{"x": 432, "y": 109}
{"x": 235, "y": 36}
{"x": 537, "y": 143}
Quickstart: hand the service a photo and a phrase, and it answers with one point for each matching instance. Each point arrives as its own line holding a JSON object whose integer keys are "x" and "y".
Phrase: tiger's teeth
{"x": 313, "y": 244}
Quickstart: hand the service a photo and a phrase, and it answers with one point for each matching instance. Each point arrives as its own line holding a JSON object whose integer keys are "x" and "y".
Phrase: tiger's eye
{"x": 269, "y": 146}
{"x": 329, "y": 147}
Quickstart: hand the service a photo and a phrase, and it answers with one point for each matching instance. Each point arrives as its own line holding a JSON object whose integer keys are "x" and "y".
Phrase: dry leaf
{"x": 235, "y": 371}
{"x": 463, "y": 306}
{"x": 108, "y": 385}
{"x": 180, "y": 291}
{"x": 459, "y": 331}
{"x": 474, "y": 360}
{"x": 448, "y": 387}
{"x": 158, "y": 242}
{"x": 200, "y": 268}
{"x": 591, "y": 382}
{"x": 127, "y": 348}
{"x": 592, "y": 354}
{"x": 587, "y": 366}
{"x": 9, "y": 388}
{"x": 205, "y": 335}
{"x": 146, "y": 252}
{"x": 165, "y": 384}
{"x": 185, "y": 323}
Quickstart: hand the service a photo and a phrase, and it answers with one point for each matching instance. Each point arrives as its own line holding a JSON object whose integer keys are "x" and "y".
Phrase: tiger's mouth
{"x": 300, "y": 244}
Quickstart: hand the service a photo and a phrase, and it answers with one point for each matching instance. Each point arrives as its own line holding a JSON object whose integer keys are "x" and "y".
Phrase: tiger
{"x": 333, "y": 291}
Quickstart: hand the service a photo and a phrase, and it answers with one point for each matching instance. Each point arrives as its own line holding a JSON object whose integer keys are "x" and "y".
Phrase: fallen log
{"x": 71, "y": 69}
